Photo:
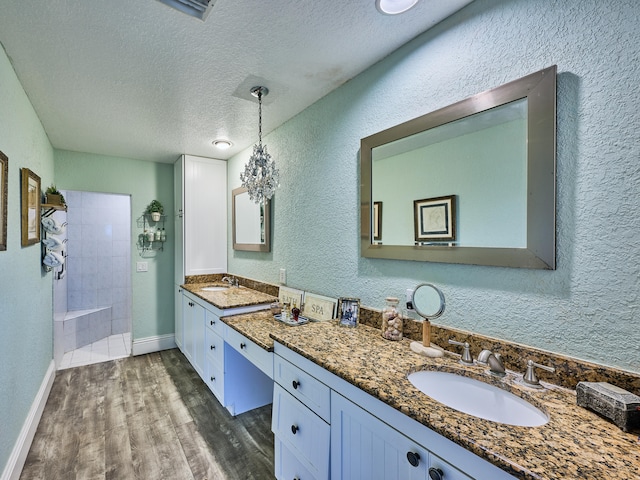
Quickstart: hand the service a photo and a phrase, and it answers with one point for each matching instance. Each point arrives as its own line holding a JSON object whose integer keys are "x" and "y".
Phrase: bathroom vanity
{"x": 343, "y": 407}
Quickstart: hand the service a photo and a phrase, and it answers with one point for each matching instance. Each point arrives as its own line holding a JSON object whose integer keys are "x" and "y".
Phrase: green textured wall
{"x": 26, "y": 302}
{"x": 588, "y": 307}
{"x": 152, "y": 309}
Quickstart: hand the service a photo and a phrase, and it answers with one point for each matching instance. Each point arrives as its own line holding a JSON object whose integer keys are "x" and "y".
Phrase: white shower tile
{"x": 74, "y": 300}
{"x": 89, "y": 265}
{"x": 89, "y": 282}
{"x": 105, "y": 297}
{"x": 89, "y": 249}
{"x": 91, "y": 200}
{"x": 73, "y": 198}
{"x": 121, "y": 248}
{"x": 89, "y": 298}
{"x": 89, "y": 233}
{"x": 121, "y": 232}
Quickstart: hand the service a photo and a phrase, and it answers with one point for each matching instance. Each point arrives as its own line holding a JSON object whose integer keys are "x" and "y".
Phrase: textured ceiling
{"x": 139, "y": 79}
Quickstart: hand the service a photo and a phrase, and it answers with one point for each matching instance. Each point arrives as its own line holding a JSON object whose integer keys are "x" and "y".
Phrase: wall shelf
{"x": 148, "y": 225}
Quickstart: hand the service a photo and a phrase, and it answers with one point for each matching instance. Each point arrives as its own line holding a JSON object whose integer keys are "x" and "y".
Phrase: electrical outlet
{"x": 142, "y": 266}
{"x": 410, "y": 299}
{"x": 283, "y": 276}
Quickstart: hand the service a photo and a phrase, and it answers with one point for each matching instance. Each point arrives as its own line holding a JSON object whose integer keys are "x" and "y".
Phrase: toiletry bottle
{"x": 158, "y": 235}
{"x": 392, "y": 322}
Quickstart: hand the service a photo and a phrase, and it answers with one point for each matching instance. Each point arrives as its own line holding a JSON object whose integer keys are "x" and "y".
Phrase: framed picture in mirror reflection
{"x": 435, "y": 219}
{"x": 377, "y": 220}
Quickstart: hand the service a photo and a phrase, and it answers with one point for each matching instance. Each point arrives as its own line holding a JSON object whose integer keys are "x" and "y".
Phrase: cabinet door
{"x": 178, "y": 317}
{"x": 365, "y": 448}
{"x": 205, "y": 215}
{"x": 199, "y": 340}
{"x": 187, "y": 327}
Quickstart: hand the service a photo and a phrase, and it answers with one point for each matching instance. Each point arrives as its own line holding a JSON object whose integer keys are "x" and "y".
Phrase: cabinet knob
{"x": 213, "y": 379}
{"x": 436, "y": 474}
{"x": 212, "y": 322}
{"x": 294, "y": 429}
{"x": 414, "y": 458}
{"x": 243, "y": 345}
{"x": 213, "y": 347}
{"x": 295, "y": 384}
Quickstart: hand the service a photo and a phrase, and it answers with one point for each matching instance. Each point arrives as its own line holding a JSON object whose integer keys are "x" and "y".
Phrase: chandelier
{"x": 260, "y": 177}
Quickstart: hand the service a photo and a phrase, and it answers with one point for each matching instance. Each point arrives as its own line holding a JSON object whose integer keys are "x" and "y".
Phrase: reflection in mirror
{"x": 250, "y": 223}
{"x": 473, "y": 182}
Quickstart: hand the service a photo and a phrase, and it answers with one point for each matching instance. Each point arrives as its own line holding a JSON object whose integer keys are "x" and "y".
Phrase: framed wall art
{"x": 30, "y": 207}
{"x": 435, "y": 219}
{"x": 4, "y": 185}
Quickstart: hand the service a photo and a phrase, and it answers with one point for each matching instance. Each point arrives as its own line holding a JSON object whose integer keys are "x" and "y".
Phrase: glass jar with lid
{"x": 392, "y": 321}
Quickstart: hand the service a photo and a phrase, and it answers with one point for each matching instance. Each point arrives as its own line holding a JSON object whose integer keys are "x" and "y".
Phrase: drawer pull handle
{"x": 414, "y": 459}
{"x": 212, "y": 322}
{"x": 295, "y": 384}
{"x": 294, "y": 429}
{"x": 213, "y": 379}
{"x": 436, "y": 474}
{"x": 213, "y": 347}
{"x": 243, "y": 345}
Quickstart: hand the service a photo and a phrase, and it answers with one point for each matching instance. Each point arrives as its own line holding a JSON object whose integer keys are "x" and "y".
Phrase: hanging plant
{"x": 155, "y": 209}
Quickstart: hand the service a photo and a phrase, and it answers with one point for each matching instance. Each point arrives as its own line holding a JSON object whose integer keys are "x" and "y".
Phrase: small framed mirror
{"x": 250, "y": 223}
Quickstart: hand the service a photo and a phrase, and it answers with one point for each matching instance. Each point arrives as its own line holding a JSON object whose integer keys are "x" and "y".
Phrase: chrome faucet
{"x": 232, "y": 281}
{"x": 530, "y": 378}
{"x": 493, "y": 361}
{"x": 466, "y": 358}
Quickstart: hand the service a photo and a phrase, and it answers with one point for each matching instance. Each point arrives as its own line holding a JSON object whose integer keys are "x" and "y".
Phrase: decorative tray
{"x": 301, "y": 320}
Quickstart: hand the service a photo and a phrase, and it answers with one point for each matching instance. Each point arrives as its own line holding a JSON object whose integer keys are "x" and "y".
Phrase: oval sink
{"x": 478, "y": 398}
{"x": 213, "y": 289}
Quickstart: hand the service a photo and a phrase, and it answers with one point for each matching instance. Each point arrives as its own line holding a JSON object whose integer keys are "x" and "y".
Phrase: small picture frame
{"x": 4, "y": 185}
{"x": 377, "y": 221}
{"x": 435, "y": 219}
{"x": 348, "y": 311}
{"x": 30, "y": 207}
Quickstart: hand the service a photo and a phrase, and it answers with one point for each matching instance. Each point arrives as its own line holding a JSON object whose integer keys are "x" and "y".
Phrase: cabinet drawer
{"x": 302, "y": 431}
{"x": 309, "y": 390}
{"x": 213, "y": 322}
{"x": 215, "y": 379}
{"x": 214, "y": 347}
{"x": 253, "y": 352}
{"x": 287, "y": 466}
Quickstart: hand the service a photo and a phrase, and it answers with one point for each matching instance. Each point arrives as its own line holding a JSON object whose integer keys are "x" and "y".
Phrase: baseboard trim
{"x": 18, "y": 456}
{"x": 142, "y": 346}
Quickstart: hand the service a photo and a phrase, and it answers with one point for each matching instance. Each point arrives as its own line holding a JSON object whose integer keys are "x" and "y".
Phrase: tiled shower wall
{"x": 99, "y": 255}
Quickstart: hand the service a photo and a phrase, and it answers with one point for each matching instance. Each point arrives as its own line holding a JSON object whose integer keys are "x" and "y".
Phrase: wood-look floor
{"x": 147, "y": 417}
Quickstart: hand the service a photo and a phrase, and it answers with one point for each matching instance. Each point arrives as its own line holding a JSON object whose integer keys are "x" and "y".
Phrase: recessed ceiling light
{"x": 394, "y": 7}
{"x": 222, "y": 144}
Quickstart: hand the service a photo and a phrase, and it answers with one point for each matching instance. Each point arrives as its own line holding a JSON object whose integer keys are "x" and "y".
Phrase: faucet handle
{"x": 530, "y": 376}
{"x": 466, "y": 359}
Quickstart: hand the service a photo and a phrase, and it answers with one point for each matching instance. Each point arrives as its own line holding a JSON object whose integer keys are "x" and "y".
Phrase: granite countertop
{"x": 575, "y": 443}
{"x": 231, "y": 297}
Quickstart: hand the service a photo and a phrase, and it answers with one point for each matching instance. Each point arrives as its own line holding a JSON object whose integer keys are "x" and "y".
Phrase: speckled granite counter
{"x": 575, "y": 444}
{"x": 231, "y": 297}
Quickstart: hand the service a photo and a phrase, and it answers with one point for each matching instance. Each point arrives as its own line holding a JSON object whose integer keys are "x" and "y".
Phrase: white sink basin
{"x": 213, "y": 289}
{"x": 478, "y": 398}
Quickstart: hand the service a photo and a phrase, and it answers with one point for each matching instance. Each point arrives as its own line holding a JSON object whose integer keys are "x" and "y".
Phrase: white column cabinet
{"x": 200, "y": 189}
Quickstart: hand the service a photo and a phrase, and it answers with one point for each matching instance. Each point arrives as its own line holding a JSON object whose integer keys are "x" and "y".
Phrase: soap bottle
{"x": 392, "y": 322}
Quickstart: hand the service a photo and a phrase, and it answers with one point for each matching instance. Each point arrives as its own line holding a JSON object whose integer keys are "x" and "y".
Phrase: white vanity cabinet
{"x": 214, "y": 350}
{"x": 193, "y": 321}
{"x": 368, "y": 439}
{"x": 200, "y": 198}
{"x": 300, "y": 423}
{"x": 365, "y": 448}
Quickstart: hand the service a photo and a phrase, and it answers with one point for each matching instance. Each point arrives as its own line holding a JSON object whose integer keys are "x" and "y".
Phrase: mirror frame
{"x": 251, "y": 247}
{"x": 540, "y": 91}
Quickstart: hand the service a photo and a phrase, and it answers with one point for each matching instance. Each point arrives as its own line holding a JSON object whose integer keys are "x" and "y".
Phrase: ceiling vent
{"x": 196, "y": 8}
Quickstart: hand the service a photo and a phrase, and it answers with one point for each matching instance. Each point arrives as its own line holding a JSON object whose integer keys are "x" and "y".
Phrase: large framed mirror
{"x": 250, "y": 222}
{"x": 472, "y": 183}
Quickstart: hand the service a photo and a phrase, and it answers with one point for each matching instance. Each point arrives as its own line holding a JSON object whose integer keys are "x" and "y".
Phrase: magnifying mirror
{"x": 428, "y": 301}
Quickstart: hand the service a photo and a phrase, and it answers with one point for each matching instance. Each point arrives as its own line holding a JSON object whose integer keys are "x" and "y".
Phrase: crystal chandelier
{"x": 260, "y": 177}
